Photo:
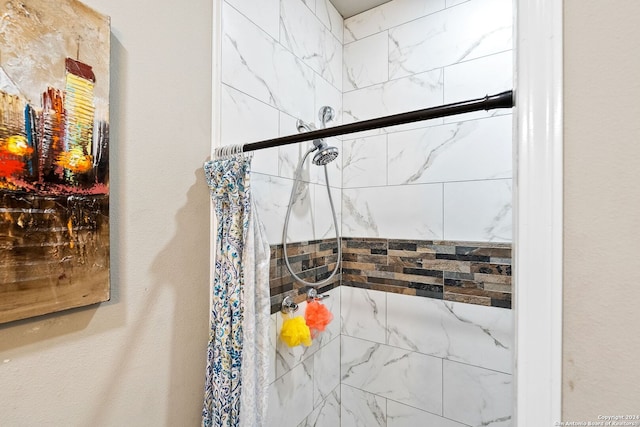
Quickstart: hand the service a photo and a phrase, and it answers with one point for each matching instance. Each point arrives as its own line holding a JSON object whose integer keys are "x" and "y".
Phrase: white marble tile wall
{"x": 490, "y": 205}
{"x": 491, "y": 74}
{"x": 365, "y": 62}
{"x": 388, "y": 15}
{"x": 256, "y": 64}
{"x": 399, "y": 415}
{"x": 282, "y": 61}
{"x": 305, "y": 381}
{"x": 476, "y": 396}
{"x": 265, "y": 13}
{"x": 302, "y": 33}
{"x": 408, "y": 360}
{"x": 410, "y": 54}
{"x": 463, "y": 151}
{"x": 471, "y": 30}
{"x": 364, "y": 162}
{"x": 362, "y": 409}
{"x": 392, "y": 97}
{"x": 467, "y": 333}
{"x": 331, "y": 18}
{"x": 401, "y": 211}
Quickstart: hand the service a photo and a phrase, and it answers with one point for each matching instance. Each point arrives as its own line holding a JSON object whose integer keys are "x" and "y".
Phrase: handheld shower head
{"x": 325, "y": 154}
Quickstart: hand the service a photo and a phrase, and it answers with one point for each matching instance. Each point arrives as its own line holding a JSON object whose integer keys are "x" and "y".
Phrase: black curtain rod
{"x": 500, "y": 100}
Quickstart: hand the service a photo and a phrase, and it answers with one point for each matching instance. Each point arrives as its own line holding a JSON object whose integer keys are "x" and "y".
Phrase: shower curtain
{"x": 238, "y": 349}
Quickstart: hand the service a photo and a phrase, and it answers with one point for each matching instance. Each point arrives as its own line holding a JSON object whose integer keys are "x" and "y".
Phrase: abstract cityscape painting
{"x": 54, "y": 157}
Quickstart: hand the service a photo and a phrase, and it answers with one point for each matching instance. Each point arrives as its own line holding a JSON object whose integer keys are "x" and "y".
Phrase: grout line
{"x": 386, "y": 410}
{"x": 443, "y": 225}
{"x": 442, "y": 387}
{"x": 426, "y": 354}
{"x": 441, "y": 67}
{"x": 401, "y": 24}
{"x": 426, "y": 183}
{"x": 386, "y": 318}
{"x": 386, "y": 137}
{"x": 387, "y": 399}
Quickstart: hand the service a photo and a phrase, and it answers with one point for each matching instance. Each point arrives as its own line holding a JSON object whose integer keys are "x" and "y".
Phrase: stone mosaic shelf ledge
{"x": 468, "y": 272}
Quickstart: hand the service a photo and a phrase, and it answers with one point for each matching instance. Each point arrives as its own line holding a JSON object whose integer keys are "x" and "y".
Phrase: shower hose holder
{"x": 312, "y": 295}
{"x": 288, "y": 305}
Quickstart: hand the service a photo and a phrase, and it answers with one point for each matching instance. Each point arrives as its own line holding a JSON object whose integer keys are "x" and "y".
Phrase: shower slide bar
{"x": 489, "y": 102}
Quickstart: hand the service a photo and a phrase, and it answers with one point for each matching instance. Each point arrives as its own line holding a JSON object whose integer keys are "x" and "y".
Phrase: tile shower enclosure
{"x": 400, "y": 352}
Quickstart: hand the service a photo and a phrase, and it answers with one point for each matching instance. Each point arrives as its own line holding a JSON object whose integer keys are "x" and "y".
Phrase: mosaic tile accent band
{"x": 469, "y": 272}
{"x": 312, "y": 261}
{"x": 474, "y": 273}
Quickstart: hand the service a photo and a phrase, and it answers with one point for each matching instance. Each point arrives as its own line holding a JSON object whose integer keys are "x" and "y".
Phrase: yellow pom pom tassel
{"x": 295, "y": 332}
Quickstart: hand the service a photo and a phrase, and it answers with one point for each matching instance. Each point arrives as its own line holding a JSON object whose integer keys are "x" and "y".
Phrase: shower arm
{"x": 489, "y": 102}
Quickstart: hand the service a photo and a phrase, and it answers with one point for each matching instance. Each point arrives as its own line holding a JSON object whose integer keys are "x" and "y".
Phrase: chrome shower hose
{"x": 294, "y": 190}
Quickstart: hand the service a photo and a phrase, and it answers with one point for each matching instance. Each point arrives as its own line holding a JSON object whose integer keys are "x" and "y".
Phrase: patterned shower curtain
{"x": 237, "y": 354}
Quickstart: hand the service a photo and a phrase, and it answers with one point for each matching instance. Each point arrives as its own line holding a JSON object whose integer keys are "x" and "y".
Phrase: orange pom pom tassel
{"x": 317, "y": 317}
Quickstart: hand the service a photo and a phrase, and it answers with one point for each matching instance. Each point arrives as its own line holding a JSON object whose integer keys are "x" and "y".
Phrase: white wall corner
{"x": 538, "y": 212}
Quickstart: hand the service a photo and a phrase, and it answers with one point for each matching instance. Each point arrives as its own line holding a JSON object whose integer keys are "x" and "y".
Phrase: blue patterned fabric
{"x": 228, "y": 181}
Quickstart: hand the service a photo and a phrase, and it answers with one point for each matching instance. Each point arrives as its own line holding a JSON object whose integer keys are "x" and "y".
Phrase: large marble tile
{"x": 257, "y": 65}
{"x": 331, "y": 18}
{"x": 290, "y": 155}
{"x": 471, "y": 30}
{"x": 328, "y": 95}
{"x": 311, "y": 4}
{"x": 401, "y": 212}
{"x": 490, "y": 204}
{"x": 399, "y": 415}
{"x": 366, "y": 62}
{"x": 327, "y": 413}
{"x": 476, "y": 396}
{"x": 473, "y": 334}
{"x": 291, "y": 397}
{"x": 306, "y": 37}
{"x": 333, "y": 304}
{"x": 401, "y": 375}
{"x": 326, "y": 371}
{"x": 388, "y": 15}
{"x": 462, "y": 151}
{"x": 324, "y": 227}
{"x": 392, "y": 97}
{"x": 364, "y": 163}
{"x": 491, "y": 75}
{"x": 264, "y": 13}
{"x": 271, "y": 195}
{"x": 361, "y": 409}
{"x": 245, "y": 119}
{"x": 451, "y": 3}
{"x": 363, "y": 313}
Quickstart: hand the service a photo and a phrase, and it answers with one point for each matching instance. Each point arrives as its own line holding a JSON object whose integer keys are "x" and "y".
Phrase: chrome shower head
{"x": 325, "y": 153}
